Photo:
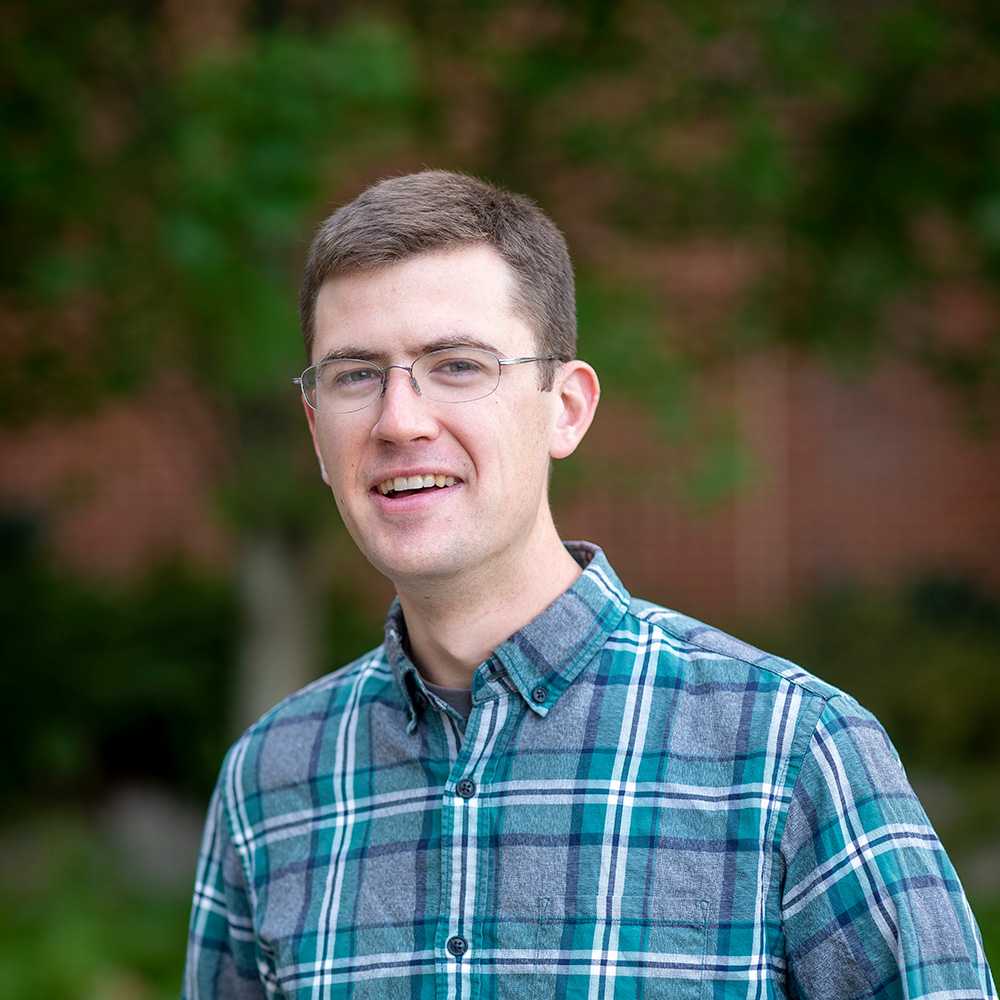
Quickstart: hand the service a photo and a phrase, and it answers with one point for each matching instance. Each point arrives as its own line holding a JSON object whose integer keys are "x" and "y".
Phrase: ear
{"x": 311, "y": 420}
{"x": 576, "y": 392}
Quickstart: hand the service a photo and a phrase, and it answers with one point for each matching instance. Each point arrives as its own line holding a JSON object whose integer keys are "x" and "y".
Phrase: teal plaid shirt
{"x": 639, "y": 806}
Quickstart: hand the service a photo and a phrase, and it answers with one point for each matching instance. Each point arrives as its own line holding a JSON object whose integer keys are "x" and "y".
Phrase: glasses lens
{"x": 457, "y": 374}
{"x": 307, "y": 382}
{"x": 345, "y": 385}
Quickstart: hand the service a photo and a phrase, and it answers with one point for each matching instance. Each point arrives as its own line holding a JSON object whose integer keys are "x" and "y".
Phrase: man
{"x": 537, "y": 786}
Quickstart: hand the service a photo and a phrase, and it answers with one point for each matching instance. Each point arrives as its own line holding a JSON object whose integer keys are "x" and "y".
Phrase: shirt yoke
{"x": 323, "y": 695}
{"x": 697, "y": 636}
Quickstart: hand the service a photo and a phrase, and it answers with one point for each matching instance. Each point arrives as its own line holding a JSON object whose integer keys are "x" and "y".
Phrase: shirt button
{"x": 458, "y": 946}
{"x": 466, "y": 788}
{"x": 539, "y": 695}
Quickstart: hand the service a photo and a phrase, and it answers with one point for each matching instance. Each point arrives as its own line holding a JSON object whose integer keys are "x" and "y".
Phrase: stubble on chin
{"x": 420, "y": 567}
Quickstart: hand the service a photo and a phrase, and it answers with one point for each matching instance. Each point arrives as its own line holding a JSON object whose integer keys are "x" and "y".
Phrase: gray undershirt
{"x": 459, "y": 699}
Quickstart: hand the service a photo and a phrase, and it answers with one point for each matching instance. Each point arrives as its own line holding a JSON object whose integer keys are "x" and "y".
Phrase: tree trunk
{"x": 282, "y": 632}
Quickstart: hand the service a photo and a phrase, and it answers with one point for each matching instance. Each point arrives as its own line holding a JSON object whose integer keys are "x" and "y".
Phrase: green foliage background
{"x": 158, "y": 184}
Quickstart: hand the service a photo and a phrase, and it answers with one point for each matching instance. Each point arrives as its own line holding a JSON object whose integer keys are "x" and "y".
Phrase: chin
{"x": 419, "y": 563}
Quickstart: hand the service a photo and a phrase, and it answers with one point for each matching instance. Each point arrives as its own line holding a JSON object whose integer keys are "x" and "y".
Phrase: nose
{"x": 403, "y": 412}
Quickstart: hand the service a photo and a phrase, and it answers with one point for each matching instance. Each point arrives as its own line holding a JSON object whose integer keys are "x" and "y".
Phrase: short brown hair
{"x": 434, "y": 210}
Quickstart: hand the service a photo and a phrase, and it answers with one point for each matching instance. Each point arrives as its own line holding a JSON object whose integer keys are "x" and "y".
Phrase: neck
{"x": 455, "y": 625}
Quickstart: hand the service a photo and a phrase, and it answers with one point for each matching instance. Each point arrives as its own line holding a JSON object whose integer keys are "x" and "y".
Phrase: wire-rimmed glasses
{"x": 446, "y": 375}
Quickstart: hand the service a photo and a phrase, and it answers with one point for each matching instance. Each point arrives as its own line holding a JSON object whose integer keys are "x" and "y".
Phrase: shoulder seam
{"x": 824, "y": 698}
{"x": 334, "y": 677}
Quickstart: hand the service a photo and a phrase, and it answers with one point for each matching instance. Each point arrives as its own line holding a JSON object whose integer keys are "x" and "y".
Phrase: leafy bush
{"x": 109, "y": 683}
{"x": 71, "y": 926}
{"x": 924, "y": 660}
{"x": 115, "y": 683}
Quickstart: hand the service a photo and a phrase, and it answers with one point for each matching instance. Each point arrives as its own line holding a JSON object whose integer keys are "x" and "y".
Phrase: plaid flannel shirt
{"x": 639, "y": 806}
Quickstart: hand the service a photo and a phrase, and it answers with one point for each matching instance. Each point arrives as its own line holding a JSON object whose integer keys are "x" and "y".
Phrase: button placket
{"x": 465, "y": 823}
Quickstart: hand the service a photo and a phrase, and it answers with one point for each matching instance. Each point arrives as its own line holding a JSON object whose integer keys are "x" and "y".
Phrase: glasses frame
{"x": 384, "y": 375}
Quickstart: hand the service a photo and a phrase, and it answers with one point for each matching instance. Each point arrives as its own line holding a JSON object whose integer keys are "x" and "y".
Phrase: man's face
{"x": 496, "y": 448}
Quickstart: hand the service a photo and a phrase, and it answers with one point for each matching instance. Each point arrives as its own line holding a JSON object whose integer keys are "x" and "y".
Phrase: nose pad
{"x": 409, "y": 374}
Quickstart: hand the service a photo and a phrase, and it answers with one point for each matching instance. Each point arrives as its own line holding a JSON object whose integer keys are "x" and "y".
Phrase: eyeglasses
{"x": 448, "y": 375}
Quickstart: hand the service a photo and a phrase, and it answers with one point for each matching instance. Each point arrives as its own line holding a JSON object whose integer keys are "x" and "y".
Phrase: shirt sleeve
{"x": 871, "y": 906}
{"x": 223, "y": 961}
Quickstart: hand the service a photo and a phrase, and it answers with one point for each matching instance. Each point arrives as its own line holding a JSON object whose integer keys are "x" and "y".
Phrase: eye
{"x": 456, "y": 367}
{"x": 348, "y": 378}
{"x": 356, "y": 376}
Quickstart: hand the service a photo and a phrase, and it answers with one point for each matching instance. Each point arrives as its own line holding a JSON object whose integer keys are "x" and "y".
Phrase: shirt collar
{"x": 544, "y": 657}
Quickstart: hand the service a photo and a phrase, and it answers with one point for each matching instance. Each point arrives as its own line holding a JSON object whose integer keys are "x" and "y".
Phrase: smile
{"x": 398, "y": 485}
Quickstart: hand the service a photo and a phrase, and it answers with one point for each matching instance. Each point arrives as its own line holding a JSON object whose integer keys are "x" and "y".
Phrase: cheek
{"x": 343, "y": 483}
{"x": 341, "y": 457}
{"x": 506, "y": 443}
{"x": 518, "y": 446}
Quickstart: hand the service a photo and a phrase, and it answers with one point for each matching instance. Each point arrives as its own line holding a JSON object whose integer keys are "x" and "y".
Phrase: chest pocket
{"x": 650, "y": 949}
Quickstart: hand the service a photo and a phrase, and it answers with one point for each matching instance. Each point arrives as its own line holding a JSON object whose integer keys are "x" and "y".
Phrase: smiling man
{"x": 474, "y": 554}
{"x": 537, "y": 786}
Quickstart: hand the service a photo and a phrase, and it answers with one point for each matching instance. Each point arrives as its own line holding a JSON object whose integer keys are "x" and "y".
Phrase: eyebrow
{"x": 380, "y": 357}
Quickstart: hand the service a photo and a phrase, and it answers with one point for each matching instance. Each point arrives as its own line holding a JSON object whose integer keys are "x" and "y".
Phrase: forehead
{"x": 403, "y": 307}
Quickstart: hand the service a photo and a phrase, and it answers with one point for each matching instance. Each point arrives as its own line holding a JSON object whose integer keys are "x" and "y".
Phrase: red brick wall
{"x": 871, "y": 480}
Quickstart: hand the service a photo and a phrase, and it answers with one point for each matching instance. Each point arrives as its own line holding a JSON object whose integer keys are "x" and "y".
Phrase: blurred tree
{"x": 253, "y": 135}
{"x": 158, "y": 214}
{"x": 837, "y": 166}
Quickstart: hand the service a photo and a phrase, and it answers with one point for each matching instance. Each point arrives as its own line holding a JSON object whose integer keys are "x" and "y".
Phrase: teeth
{"x": 425, "y": 482}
